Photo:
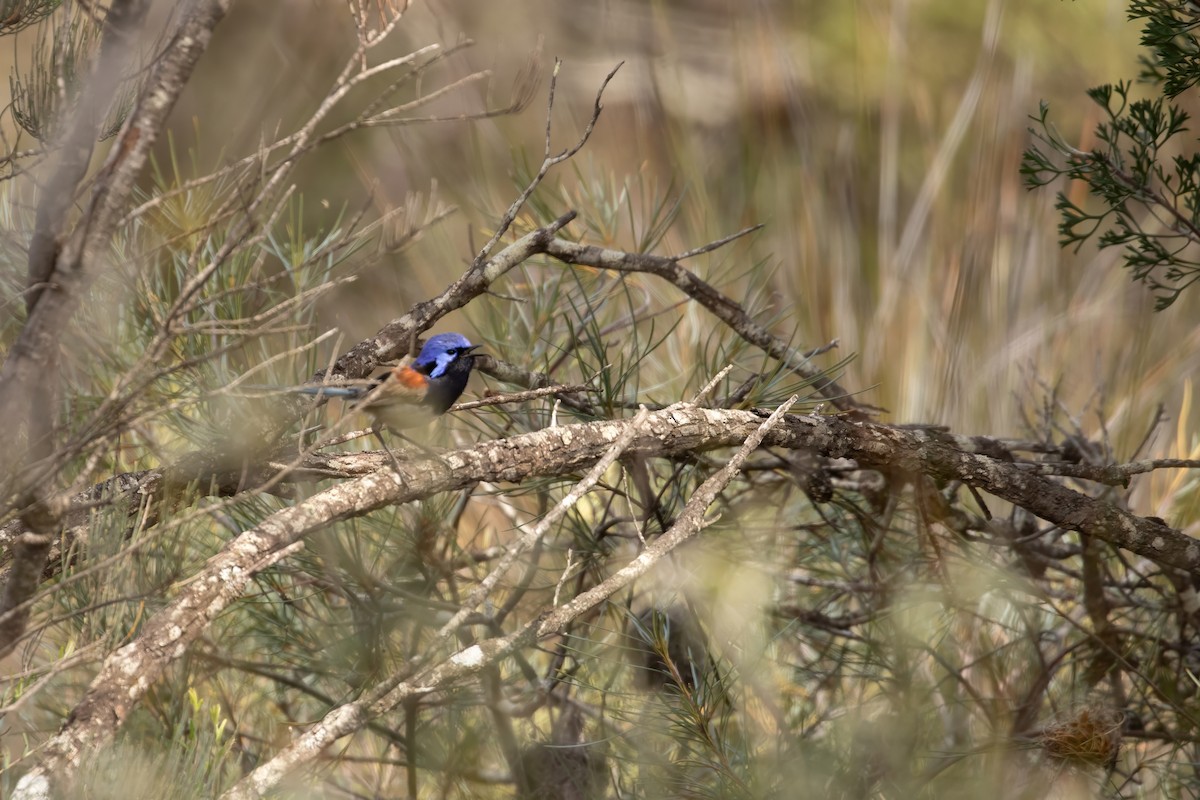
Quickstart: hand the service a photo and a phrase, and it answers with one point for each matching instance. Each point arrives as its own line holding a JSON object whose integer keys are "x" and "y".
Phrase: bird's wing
{"x": 402, "y": 386}
{"x": 399, "y": 401}
{"x": 397, "y": 398}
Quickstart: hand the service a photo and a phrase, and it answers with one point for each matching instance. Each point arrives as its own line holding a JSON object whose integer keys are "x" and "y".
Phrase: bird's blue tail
{"x": 331, "y": 391}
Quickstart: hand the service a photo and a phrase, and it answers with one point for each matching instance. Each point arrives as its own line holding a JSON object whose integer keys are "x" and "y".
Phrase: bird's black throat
{"x": 446, "y": 388}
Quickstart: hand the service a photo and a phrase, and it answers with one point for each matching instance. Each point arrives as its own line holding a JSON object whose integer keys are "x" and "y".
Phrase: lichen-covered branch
{"x": 680, "y": 429}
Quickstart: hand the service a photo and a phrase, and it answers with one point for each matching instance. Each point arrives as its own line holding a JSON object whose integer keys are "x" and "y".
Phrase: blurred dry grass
{"x": 878, "y": 140}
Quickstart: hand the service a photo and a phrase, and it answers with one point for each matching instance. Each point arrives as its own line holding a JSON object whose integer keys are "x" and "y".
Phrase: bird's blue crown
{"x": 440, "y": 352}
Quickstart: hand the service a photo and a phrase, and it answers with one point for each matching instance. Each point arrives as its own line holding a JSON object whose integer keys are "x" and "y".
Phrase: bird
{"x": 414, "y": 392}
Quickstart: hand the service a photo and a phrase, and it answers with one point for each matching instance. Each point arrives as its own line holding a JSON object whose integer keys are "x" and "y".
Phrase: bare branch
{"x": 299, "y": 147}
{"x": 729, "y": 312}
{"x": 718, "y": 244}
{"x": 397, "y": 336}
{"x": 128, "y": 673}
{"x": 353, "y": 716}
{"x": 519, "y": 397}
{"x": 1110, "y": 474}
{"x": 548, "y": 161}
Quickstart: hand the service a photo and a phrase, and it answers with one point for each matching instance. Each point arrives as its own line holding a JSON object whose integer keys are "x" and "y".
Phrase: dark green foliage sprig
{"x": 1169, "y": 33}
{"x": 47, "y": 89}
{"x": 1148, "y": 194}
{"x": 17, "y": 15}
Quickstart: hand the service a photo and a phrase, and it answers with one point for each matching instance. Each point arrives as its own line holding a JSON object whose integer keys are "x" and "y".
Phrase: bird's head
{"x": 441, "y": 351}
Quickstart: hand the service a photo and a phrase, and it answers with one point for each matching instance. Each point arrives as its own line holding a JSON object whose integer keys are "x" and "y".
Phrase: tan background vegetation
{"x": 879, "y": 142}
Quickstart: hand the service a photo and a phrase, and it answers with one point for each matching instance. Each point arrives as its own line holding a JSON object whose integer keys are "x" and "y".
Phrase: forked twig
{"x": 548, "y": 161}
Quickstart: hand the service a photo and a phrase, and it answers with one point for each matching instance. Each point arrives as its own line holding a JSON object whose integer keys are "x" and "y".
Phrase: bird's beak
{"x": 473, "y": 348}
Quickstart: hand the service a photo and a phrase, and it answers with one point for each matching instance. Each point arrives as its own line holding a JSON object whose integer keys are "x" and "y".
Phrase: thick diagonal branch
{"x": 128, "y": 673}
{"x": 351, "y": 717}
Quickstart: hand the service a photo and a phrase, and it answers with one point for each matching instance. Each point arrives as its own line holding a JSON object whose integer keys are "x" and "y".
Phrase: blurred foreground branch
{"x": 680, "y": 429}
